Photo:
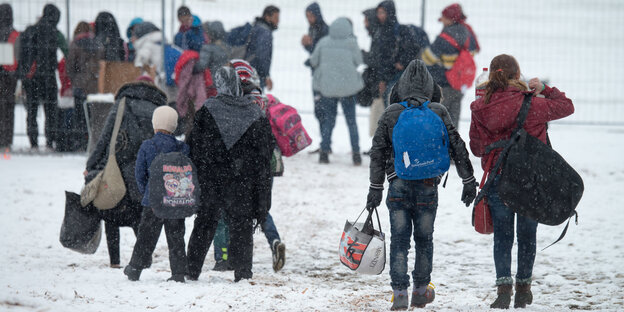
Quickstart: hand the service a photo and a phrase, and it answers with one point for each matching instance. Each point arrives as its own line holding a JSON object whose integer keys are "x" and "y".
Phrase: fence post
{"x": 67, "y": 19}
{"x": 422, "y": 14}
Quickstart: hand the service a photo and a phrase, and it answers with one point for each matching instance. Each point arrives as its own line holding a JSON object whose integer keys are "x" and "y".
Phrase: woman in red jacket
{"x": 493, "y": 119}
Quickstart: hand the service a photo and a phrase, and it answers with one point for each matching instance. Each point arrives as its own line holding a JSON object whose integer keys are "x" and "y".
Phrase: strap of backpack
{"x": 118, "y": 118}
{"x": 450, "y": 40}
{"x": 524, "y": 111}
{"x": 565, "y": 230}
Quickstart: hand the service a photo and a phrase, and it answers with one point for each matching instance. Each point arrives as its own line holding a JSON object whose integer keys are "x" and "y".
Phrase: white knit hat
{"x": 165, "y": 118}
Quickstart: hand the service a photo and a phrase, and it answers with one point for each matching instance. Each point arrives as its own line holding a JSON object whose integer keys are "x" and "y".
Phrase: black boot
{"x": 324, "y": 157}
{"x": 176, "y": 278}
{"x": 357, "y": 159}
{"x": 242, "y": 274}
{"x": 523, "y": 295}
{"x": 504, "y": 297}
{"x": 132, "y": 273}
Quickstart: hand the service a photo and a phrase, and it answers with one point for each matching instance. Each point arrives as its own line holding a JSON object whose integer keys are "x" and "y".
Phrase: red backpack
{"x": 464, "y": 70}
{"x": 287, "y": 128}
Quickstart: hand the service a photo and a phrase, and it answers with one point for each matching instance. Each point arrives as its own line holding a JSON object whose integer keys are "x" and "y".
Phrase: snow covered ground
{"x": 311, "y": 203}
{"x": 573, "y": 43}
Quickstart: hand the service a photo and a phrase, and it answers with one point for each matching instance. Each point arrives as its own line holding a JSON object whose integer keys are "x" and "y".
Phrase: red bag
{"x": 481, "y": 217}
{"x": 464, "y": 70}
{"x": 287, "y": 128}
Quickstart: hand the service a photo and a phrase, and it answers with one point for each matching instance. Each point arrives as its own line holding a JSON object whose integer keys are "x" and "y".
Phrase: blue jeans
{"x": 269, "y": 229}
{"x": 412, "y": 206}
{"x": 503, "y": 221}
{"x": 326, "y": 114}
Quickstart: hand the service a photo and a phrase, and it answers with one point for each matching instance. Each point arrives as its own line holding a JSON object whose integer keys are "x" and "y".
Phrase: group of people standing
{"x": 229, "y": 137}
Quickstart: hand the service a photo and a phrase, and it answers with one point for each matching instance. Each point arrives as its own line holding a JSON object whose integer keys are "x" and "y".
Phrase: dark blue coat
{"x": 192, "y": 38}
{"x": 260, "y": 49}
{"x": 160, "y": 143}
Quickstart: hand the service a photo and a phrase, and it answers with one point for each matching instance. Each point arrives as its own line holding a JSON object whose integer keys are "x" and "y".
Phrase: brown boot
{"x": 523, "y": 296}
{"x": 504, "y": 297}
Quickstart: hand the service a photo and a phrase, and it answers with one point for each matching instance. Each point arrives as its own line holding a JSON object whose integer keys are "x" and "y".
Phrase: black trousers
{"x": 7, "y": 108}
{"x": 41, "y": 90}
{"x": 149, "y": 231}
{"x": 240, "y": 251}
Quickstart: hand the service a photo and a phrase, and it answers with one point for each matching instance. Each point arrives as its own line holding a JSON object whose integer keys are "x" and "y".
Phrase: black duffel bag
{"x": 81, "y": 230}
{"x": 535, "y": 181}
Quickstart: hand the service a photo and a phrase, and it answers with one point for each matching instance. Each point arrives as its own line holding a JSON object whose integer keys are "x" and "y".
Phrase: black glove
{"x": 374, "y": 198}
{"x": 470, "y": 191}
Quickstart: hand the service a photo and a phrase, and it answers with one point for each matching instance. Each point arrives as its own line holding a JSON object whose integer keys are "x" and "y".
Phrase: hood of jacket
{"x": 6, "y": 21}
{"x": 373, "y": 23}
{"x": 315, "y": 9}
{"x": 388, "y": 5}
{"x": 144, "y": 28}
{"x": 415, "y": 83}
{"x": 214, "y": 30}
{"x": 341, "y": 28}
{"x": 135, "y": 21}
{"x": 106, "y": 26}
{"x": 144, "y": 91}
{"x": 51, "y": 15}
{"x": 6, "y": 15}
{"x": 232, "y": 112}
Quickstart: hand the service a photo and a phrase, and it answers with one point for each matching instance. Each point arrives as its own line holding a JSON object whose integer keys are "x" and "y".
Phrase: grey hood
{"x": 341, "y": 28}
{"x": 415, "y": 83}
{"x": 232, "y": 112}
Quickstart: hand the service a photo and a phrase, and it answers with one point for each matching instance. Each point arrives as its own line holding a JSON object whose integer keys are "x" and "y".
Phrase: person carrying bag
{"x": 496, "y": 133}
{"x": 108, "y": 187}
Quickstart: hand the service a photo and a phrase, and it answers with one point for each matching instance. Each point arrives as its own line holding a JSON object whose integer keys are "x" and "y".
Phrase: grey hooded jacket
{"x": 415, "y": 86}
{"x": 335, "y": 60}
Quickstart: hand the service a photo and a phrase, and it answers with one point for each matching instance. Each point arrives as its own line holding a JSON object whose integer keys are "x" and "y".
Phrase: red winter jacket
{"x": 496, "y": 120}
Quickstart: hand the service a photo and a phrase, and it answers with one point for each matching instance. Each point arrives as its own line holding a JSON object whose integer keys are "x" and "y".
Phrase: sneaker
{"x": 279, "y": 254}
{"x": 357, "y": 159}
{"x": 176, "y": 278}
{"x": 222, "y": 266}
{"x": 324, "y": 157}
{"x": 399, "y": 300}
{"x": 132, "y": 273}
{"x": 420, "y": 300}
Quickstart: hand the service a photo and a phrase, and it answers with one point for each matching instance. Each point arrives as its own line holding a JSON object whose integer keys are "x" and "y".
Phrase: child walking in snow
{"x": 164, "y": 121}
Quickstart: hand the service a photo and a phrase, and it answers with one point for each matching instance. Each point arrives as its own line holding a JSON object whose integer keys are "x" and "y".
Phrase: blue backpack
{"x": 172, "y": 54}
{"x": 421, "y": 144}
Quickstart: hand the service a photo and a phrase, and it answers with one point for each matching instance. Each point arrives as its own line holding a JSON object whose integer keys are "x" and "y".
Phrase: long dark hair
{"x": 503, "y": 69}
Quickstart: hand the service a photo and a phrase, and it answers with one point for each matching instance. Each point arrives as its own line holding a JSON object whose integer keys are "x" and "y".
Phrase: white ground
{"x": 311, "y": 203}
{"x": 574, "y": 43}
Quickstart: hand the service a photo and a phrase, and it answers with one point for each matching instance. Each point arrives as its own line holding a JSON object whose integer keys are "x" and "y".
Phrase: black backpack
{"x": 173, "y": 186}
{"x": 535, "y": 181}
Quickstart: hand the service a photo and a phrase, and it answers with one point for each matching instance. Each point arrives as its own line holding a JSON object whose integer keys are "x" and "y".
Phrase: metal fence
{"x": 577, "y": 45}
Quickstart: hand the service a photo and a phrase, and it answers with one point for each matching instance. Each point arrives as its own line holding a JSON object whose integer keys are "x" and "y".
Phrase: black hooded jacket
{"x": 136, "y": 126}
{"x": 319, "y": 29}
{"x": 381, "y": 57}
{"x": 415, "y": 86}
{"x": 231, "y": 145}
{"x": 6, "y": 22}
{"x": 39, "y": 43}
{"x": 107, "y": 35}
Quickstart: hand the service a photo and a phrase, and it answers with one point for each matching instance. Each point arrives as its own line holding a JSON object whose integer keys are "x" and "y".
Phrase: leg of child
{"x": 149, "y": 231}
{"x": 174, "y": 230}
